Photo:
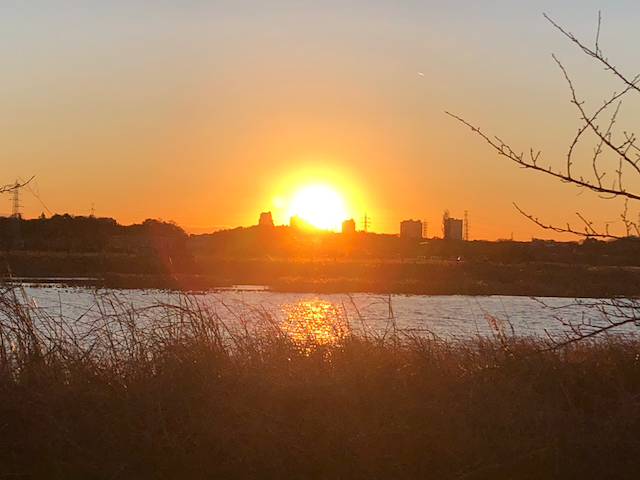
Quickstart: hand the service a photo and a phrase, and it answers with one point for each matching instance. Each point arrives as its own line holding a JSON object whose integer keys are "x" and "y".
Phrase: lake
{"x": 449, "y": 317}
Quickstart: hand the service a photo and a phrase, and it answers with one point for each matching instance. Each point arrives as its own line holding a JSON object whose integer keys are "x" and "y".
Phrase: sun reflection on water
{"x": 311, "y": 323}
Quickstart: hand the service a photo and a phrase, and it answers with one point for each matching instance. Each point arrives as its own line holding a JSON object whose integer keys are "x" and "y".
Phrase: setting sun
{"x": 320, "y": 206}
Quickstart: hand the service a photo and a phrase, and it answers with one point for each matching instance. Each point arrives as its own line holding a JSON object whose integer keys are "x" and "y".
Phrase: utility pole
{"x": 366, "y": 223}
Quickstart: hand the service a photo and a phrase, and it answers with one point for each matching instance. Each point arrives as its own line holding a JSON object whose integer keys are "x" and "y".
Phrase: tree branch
{"x": 505, "y": 150}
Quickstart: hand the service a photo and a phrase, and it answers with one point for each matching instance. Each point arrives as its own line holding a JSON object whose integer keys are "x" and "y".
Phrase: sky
{"x": 207, "y": 113}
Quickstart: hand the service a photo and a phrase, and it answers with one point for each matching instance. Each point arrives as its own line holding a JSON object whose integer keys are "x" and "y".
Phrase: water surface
{"x": 451, "y": 316}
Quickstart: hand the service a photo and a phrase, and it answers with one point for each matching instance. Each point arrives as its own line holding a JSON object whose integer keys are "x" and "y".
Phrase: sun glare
{"x": 320, "y": 206}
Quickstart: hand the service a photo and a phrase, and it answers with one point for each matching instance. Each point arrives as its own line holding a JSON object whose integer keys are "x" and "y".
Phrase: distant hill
{"x": 68, "y": 233}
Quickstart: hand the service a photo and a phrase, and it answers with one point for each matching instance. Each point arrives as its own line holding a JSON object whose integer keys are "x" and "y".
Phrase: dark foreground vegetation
{"x": 172, "y": 392}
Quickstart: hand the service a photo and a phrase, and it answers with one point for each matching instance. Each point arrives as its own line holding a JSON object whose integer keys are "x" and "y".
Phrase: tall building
{"x": 265, "y": 219}
{"x": 411, "y": 229}
{"x": 349, "y": 226}
{"x": 452, "y": 227}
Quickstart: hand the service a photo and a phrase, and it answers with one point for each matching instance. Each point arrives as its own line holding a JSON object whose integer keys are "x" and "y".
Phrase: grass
{"x": 171, "y": 391}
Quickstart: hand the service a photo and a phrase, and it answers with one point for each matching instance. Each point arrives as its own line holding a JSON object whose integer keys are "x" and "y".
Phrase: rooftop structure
{"x": 349, "y": 226}
{"x": 265, "y": 220}
{"x": 452, "y": 227}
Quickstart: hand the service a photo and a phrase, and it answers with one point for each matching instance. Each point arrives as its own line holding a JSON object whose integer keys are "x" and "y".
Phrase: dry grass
{"x": 170, "y": 391}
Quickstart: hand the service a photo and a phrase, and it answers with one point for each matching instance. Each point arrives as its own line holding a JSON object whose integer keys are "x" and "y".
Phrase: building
{"x": 411, "y": 229}
{"x": 265, "y": 220}
{"x": 298, "y": 223}
{"x": 452, "y": 227}
{"x": 349, "y": 226}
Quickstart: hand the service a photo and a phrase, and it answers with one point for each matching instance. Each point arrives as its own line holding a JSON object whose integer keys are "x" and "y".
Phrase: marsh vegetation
{"x": 174, "y": 391}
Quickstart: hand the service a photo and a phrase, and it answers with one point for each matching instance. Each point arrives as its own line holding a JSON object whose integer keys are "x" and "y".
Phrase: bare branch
{"x": 605, "y": 138}
{"x": 633, "y": 84}
{"x": 12, "y": 186}
{"x": 606, "y": 178}
{"x": 505, "y": 150}
{"x": 598, "y": 51}
{"x": 589, "y": 231}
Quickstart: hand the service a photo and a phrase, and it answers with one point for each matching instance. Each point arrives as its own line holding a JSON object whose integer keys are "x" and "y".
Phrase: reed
{"x": 173, "y": 391}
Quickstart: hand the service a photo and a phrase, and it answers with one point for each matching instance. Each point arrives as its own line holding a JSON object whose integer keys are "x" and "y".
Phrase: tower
{"x": 366, "y": 223}
{"x": 466, "y": 225}
{"x": 15, "y": 210}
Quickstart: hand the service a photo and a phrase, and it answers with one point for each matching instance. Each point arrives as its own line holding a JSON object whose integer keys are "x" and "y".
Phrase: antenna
{"x": 15, "y": 210}
{"x": 366, "y": 223}
{"x": 466, "y": 225}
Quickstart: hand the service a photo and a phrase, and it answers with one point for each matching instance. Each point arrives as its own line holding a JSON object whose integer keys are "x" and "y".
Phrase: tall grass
{"x": 171, "y": 391}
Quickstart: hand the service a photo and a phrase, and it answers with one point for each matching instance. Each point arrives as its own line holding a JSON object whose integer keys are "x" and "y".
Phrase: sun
{"x": 320, "y": 206}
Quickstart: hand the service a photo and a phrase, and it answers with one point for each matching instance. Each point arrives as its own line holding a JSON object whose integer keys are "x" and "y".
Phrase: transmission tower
{"x": 366, "y": 223}
{"x": 93, "y": 211}
{"x": 15, "y": 210}
{"x": 466, "y": 225}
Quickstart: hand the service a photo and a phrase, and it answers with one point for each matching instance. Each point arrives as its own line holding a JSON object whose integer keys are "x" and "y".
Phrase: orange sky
{"x": 202, "y": 112}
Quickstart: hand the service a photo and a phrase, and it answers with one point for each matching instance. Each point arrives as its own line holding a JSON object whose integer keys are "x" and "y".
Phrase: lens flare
{"x": 278, "y": 201}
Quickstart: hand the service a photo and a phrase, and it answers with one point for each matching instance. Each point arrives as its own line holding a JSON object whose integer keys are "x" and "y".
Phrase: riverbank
{"x": 186, "y": 397}
{"x": 326, "y": 276}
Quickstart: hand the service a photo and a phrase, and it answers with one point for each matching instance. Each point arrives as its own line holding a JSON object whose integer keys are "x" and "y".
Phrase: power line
{"x": 32, "y": 192}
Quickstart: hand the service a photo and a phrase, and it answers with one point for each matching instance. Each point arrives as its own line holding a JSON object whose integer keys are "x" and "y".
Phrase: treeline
{"x": 68, "y": 233}
{"x": 286, "y": 243}
{"x": 71, "y": 234}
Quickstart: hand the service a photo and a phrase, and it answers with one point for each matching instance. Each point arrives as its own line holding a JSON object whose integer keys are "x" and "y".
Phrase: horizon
{"x": 224, "y": 228}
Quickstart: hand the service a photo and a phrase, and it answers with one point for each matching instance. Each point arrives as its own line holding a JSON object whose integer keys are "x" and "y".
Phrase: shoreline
{"x": 322, "y": 286}
{"x": 326, "y": 276}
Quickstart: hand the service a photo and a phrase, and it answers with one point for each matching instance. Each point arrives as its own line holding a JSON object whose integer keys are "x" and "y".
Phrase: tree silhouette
{"x": 615, "y": 159}
{"x": 613, "y": 165}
